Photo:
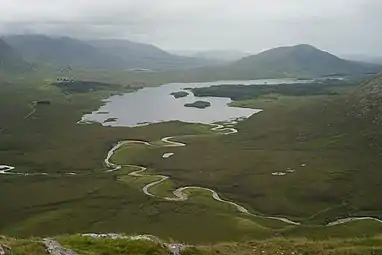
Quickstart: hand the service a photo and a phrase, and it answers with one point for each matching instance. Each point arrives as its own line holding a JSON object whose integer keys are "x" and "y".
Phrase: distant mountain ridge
{"x": 217, "y": 55}
{"x": 141, "y": 55}
{"x": 375, "y": 59}
{"x": 10, "y": 60}
{"x": 98, "y": 54}
{"x": 299, "y": 61}
{"x": 62, "y": 52}
{"x": 303, "y": 59}
{"x": 222, "y": 55}
{"x": 116, "y": 54}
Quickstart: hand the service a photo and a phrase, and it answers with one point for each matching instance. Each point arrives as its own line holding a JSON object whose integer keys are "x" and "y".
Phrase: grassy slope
{"x": 297, "y": 246}
{"x": 87, "y": 246}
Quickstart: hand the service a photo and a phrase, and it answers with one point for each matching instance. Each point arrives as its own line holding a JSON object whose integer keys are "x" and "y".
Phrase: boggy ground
{"x": 330, "y": 160}
{"x": 50, "y": 141}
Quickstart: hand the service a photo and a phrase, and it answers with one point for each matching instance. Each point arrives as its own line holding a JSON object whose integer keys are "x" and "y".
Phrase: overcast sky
{"x": 340, "y": 26}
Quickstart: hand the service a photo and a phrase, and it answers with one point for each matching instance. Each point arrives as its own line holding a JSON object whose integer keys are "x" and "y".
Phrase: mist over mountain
{"x": 98, "y": 54}
{"x": 218, "y": 55}
{"x": 10, "y": 60}
{"x": 141, "y": 55}
{"x": 116, "y": 54}
{"x": 376, "y": 59}
{"x": 304, "y": 59}
{"x": 62, "y": 51}
{"x": 290, "y": 61}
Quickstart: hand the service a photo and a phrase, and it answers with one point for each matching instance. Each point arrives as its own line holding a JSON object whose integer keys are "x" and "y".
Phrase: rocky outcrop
{"x": 54, "y": 248}
{"x": 2, "y": 251}
{"x": 174, "y": 249}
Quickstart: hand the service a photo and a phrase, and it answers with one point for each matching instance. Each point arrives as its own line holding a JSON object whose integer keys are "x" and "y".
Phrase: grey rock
{"x": 54, "y": 248}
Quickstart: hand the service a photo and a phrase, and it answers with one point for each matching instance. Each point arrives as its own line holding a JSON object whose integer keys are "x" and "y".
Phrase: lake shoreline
{"x": 152, "y": 105}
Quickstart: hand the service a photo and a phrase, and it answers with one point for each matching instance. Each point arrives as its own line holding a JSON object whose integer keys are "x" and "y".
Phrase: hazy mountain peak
{"x": 10, "y": 60}
{"x": 301, "y": 49}
{"x": 302, "y": 60}
{"x": 100, "y": 54}
{"x": 304, "y": 46}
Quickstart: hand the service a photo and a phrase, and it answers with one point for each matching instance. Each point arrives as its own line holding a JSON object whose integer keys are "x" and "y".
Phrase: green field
{"x": 335, "y": 157}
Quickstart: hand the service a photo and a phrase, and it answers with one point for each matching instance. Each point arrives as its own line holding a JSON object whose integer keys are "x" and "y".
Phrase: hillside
{"x": 292, "y": 61}
{"x": 376, "y": 59}
{"x": 10, "y": 60}
{"x": 146, "y": 56}
{"x": 98, "y": 54}
{"x": 367, "y": 100}
{"x": 147, "y": 245}
{"x": 303, "y": 60}
{"x": 62, "y": 52}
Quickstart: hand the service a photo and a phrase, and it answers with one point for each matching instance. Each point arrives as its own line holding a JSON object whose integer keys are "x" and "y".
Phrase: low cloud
{"x": 341, "y": 26}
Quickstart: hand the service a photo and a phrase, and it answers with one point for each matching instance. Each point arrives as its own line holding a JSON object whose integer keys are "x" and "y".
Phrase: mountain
{"x": 221, "y": 55}
{"x": 299, "y": 61}
{"x": 62, "y": 52}
{"x": 98, "y": 54}
{"x": 146, "y": 56}
{"x": 216, "y": 55}
{"x": 10, "y": 60}
{"x": 364, "y": 58}
{"x": 302, "y": 60}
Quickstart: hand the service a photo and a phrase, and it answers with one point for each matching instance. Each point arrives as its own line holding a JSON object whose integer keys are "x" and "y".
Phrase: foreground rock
{"x": 2, "y": 250}
{"x": 55, "y": 248}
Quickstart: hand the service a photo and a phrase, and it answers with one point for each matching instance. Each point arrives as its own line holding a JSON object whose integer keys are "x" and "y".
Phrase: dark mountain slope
{"x": 303, "y": 60}
{"x": 146, "y": 56}
{"x": 63, "y": 51}
{"x": 294, "y": 61}
{"x": 98, "y": 54}
{"x": 10, "y": 60}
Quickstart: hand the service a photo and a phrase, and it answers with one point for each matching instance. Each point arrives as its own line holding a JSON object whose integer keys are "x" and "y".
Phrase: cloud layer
{"x": 341, "y": 26}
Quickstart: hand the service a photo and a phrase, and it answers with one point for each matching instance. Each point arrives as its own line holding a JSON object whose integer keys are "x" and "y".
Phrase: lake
{"x": 156, "y": 104}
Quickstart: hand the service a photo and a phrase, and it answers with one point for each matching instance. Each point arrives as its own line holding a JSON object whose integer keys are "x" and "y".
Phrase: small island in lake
{"x": 110, "y": 120}
{"x": 180, "y": 94}
{"x": 199, "y": 104}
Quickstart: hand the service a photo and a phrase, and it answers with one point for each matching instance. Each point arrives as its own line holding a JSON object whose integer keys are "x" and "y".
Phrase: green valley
{"x": 301, "y": 176}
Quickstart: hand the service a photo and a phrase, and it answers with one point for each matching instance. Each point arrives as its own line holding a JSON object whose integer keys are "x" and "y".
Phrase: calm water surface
{"x": 155, "y": 104}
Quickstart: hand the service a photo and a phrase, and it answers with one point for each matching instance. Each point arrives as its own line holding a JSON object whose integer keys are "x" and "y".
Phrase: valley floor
{"x": 322, "y": 153}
